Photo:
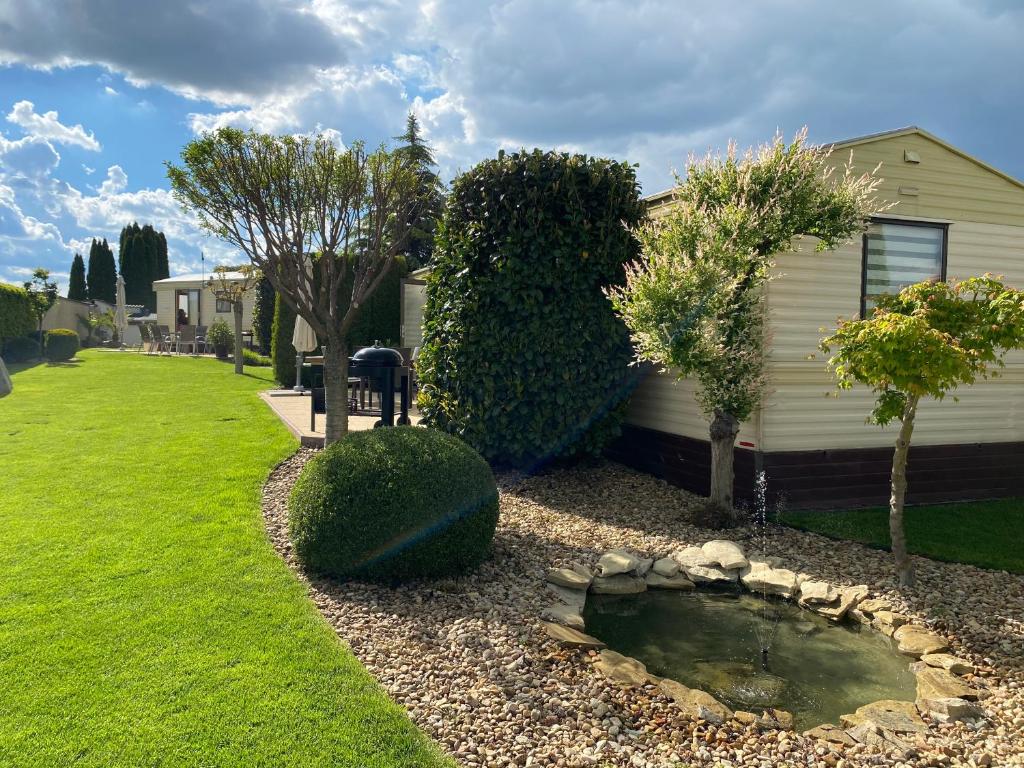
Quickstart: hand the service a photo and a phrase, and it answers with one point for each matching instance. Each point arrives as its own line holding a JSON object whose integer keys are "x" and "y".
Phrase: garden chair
{"x": 144, "y": 336}
{"x": 163, "y": 339}
{"x": 186, "y": 338}
{"x": 201, "y": 337}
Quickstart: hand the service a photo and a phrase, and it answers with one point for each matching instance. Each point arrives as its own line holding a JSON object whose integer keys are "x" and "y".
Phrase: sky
{"x": 96, "y": 95}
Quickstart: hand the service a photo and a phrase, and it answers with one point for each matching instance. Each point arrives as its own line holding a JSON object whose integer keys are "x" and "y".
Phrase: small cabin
{"x": 192, "y": 296}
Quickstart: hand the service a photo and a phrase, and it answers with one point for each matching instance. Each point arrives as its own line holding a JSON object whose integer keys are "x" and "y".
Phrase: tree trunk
{"x": 904, "y": 568}
{"x": 239, "y": 358}
{"x": 335, "y": 390}
{"x": 724, "y": 428}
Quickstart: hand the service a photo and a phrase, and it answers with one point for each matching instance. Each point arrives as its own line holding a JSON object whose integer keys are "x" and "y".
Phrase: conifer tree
{"x": 76, "y": 284}
{"x": 102, "y": 276}
{"x": 430, "y": 194}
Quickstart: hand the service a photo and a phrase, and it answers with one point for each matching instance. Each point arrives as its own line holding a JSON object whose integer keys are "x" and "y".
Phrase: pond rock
{"x": 656, "y": 581}
{"x": 916, "y": 641}
{"x": 933, "y": 683}
{"x": 950, "y": 710}
{"x": 949, "y": 662}
{"x": 849, "y": 597}
{"x": 619, "y": 584}
{"x": 570, "y": 579}
{"x": 817, "y": 593}
{"x": 666, "y": 567}
{"x": 889, "y": 715}
{"x": 622, "y": 669}
{"x": 617, "y": 561}
{"x": 727, "y": 554}
{"x": 570, "y": 636}
{"x": 560, "y": 613}
{"x": 691, "y": 556}
{"x": 576, "y": 598}
{"x": 759, "y": 576}
{"x": 831, "y": 733}
{"x": 695, "y": 702}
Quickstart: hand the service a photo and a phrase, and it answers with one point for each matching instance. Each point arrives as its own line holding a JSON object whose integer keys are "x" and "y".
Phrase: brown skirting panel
{"x": 828, "y": 479}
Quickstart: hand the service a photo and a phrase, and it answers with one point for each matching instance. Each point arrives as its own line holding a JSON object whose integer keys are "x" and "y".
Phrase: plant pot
{"x": 221, "y": 350}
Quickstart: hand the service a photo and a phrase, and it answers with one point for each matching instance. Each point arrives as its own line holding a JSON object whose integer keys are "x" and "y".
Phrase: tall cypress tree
{"x": 76, "y": 284}
{"x": 429, "y": 193}
{"x": 163, "y": 266}
{"x": 102, "y": 276}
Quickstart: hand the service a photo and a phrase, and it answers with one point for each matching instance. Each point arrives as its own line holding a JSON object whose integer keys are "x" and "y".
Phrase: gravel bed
{"x": 469, "y": 662}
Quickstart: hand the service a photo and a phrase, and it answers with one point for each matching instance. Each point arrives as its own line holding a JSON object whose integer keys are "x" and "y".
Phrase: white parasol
{"x": 120, "y": 314}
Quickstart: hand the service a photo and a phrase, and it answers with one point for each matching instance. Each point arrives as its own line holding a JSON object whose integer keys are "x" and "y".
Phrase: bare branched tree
{"x": 232, "y": 286}
{"x": 307, "y": 214}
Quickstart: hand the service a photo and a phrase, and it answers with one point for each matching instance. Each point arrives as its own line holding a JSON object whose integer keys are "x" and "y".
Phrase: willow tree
{"x": 309, "y": 215}
{"x": 693, "y": 301}
{"x": 233, "y": 286}
{"x": 924, "y": 342}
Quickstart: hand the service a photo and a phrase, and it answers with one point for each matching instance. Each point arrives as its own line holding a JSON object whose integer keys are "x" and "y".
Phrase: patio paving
{"x": 293, "y": 409}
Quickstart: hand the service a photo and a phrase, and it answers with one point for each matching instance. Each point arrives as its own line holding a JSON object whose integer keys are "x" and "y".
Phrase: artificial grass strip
{"x": 145, "y": 619}
{"x": 988, "y": 534}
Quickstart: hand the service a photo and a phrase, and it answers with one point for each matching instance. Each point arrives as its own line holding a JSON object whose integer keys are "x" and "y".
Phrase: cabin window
{"x": 223, "y": 306}
{"x": 898, "y": 254}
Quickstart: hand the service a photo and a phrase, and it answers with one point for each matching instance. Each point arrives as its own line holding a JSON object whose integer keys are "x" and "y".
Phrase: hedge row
{"x": 16, "y": 315}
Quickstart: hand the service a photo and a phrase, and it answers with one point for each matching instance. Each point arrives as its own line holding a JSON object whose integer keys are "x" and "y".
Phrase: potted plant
{"x": 219, "y": 336}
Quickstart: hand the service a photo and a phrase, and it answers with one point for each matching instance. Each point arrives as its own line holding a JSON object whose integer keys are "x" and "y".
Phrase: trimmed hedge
{"x": 523, "y": 356}
{"x": 282, "y": 353}
{"x": 254, "y": 358}
{"x": 61, "y": 344}
{"x": 394, "y": 503}
{"x": 21, "y": 350}
{"x": 17, "y": 317}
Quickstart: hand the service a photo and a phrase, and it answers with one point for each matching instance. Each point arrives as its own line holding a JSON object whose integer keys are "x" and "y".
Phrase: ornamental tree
{"x": 42, "y": 291}
{"x": 309, "y": 215}
{"x": 924, "y": 342}
{"x": 232, "y": 286}
{"x": 693, "y": 300}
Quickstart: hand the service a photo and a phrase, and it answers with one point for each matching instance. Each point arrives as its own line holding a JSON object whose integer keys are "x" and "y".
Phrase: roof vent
{"x": 910, "y": 156}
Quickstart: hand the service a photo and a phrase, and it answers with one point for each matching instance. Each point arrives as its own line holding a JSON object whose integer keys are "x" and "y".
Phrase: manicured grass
{"x": 988, "y": 534}
{"x": 144, "y": 618}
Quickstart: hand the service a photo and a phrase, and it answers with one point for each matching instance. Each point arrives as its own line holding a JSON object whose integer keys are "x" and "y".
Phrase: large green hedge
{"x": 394, "y": 503}
{"x": 16, "y": 315}
{"x": 380, "y": 320}
{"x": 523, "y": 356}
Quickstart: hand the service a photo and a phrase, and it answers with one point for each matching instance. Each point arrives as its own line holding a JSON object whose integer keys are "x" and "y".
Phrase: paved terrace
{"x": 293, "y": 409}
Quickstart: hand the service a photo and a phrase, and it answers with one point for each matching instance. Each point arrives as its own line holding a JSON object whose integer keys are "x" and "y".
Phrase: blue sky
{"x": 95, "y": 95}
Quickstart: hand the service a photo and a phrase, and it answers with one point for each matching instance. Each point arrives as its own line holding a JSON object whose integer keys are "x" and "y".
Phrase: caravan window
{"x": 898, "y": 254}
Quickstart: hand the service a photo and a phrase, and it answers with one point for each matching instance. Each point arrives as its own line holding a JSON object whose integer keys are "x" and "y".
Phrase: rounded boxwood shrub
{"x": 394, "y": 503}
{"x": 61, "y": 344}
{"x": 20, "y": 349}
{"x": 523, "y": 356}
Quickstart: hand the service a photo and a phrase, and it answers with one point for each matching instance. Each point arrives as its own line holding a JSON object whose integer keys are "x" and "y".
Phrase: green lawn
{"x": 983, "y": 533}
{"x": 144, "y": 618}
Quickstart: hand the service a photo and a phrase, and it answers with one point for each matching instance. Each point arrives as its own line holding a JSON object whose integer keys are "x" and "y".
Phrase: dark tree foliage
{"x": 429, "y": 194}
{"x": 77, "y": 290}
{"x": 380, "y": 320}
{"x": 142, "y": 259}
{"x": 102, "y": 276}
{"x": 282, "y": 353}
{"x": 523, "y": 356}
{"x": 263, "y": 314}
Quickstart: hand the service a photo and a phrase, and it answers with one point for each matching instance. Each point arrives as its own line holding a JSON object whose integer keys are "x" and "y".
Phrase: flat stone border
{"x": 942, "y": 693}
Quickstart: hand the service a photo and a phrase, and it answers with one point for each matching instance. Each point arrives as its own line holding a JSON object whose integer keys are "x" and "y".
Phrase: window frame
{"x": 220, "y": 311}
{"x": 944, "y": 255}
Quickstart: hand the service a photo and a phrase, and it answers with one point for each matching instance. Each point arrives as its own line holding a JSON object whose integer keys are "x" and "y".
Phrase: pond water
{"x": 816, "y": 670}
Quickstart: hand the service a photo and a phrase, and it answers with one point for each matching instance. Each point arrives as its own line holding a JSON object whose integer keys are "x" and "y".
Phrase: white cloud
{"x": 116, "y": 181}
{"x": 48, "y": 126}
{"x": 110, "y": 91}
